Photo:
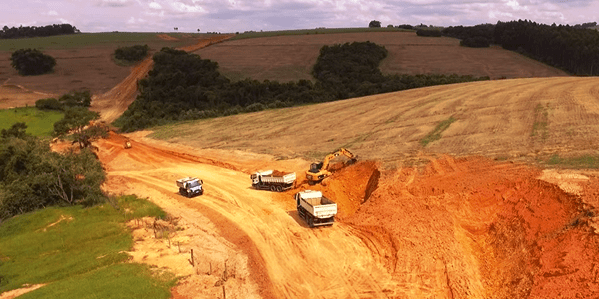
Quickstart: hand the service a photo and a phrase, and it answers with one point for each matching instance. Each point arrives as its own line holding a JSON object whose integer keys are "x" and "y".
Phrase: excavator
{"x": 319, "y": 171}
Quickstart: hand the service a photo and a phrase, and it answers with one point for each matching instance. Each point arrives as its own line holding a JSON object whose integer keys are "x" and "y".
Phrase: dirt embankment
{"x": 475, "y": 228}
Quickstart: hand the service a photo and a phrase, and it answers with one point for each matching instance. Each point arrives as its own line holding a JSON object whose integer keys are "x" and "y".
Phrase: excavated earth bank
{"x": 476, "y": 228}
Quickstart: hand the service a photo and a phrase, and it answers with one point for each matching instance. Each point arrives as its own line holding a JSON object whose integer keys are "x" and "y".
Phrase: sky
{"x": 268, "y": 15}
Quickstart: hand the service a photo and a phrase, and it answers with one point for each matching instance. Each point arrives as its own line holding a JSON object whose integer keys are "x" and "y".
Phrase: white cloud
{"x": 515, "y": 5}
{"x": 133, "y": 21}
{"x": 155, "y": 5}
{"x": 114, "y": 3}
{"x": 185, "y": 8}
{"x": 52, "y": 13}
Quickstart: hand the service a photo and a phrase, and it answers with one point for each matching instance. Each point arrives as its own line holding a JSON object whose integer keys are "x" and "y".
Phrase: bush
{"x": 68, "y": 100}
{"x": 406, "y": 26}
{"x": 134, "y": 53}
{"x": 430, "y": 33}
{"x": 475, "y": 42}
{"x": 32, "y": 62}
{"x": 48, "y": 104}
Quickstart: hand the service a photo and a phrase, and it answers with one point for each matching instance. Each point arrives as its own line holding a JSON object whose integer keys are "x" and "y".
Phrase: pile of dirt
{"x": 473, "y": 227}
{"x": 349, "y": 187}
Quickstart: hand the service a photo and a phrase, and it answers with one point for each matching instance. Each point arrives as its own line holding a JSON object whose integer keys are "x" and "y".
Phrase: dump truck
{"x": 316, "y": 209}
{"x": 190, "y": 186}
{"x": 273, "y": 180}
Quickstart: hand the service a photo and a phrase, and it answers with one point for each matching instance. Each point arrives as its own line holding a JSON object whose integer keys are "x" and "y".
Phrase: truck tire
{"x": 310, "y": 220}
{"x": 279, "y": 188}
{"x": 273, "y": 188}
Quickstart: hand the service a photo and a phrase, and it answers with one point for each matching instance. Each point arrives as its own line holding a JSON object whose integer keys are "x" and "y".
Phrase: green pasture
{"x": 39, "y": 122}
{"x": 79, "y": 253}
{"x": 80, "y": 40}
{"x": 256, "y": 34}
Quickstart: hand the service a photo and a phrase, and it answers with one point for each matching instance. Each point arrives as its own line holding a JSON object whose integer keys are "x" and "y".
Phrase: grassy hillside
{"x": 86, "y": 40}
{"x": 516, "y": 118}
{"x": 291, "y": 57}
{"x": 79, "y": 253}
{"x": 39, "y": 122}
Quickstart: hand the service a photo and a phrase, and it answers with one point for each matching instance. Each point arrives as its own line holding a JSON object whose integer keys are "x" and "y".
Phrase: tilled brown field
{"x": 290, "y": 58}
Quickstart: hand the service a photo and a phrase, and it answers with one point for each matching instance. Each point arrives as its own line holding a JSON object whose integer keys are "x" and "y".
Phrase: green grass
{"x": 94, "y": 39}
{"x": 435, "y": 134}
{"x": 580, "y": 162}
{"x": 78, "y": 256}
{"x": 541, "y": 117}
{"x": 314, "y": 31}
{"x": 39, "y": 122}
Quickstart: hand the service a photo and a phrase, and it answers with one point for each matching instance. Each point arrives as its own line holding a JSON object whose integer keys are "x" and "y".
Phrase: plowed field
{"x": 291, "y": 58}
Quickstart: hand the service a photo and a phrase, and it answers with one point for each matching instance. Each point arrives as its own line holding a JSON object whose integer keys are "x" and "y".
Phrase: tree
{"x": 134, "y": 53}
{"x": 17, "y": 130}
{"x": 374, "y": 24}
{"x": 75, "y": 119}
{"x": 32, "y": 62}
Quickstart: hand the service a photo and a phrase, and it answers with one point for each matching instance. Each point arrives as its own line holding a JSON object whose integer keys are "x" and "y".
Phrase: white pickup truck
{"x": 190, "y": 186}
{"x": 316, "y": 209}
{"x": 273, "y": 181}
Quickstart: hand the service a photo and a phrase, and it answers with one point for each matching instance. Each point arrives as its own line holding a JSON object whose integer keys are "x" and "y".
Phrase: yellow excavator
{"x": 319, "y": 171}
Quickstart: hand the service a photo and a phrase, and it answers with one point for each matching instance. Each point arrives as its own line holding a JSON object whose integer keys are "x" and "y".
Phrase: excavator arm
{"x": 318, "y": 171}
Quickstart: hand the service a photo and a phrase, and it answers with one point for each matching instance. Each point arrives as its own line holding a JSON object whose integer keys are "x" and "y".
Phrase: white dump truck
{"x": 316, "y": 209}
{"x": 273, "y": 180}
{"x": 190, "y": 186}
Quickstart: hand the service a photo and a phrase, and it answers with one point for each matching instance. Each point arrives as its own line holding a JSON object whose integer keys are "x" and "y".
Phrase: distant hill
{"x": 291, "y": 57}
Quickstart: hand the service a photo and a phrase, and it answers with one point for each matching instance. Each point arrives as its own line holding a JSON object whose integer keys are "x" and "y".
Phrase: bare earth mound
{"x": 290, "y": 58}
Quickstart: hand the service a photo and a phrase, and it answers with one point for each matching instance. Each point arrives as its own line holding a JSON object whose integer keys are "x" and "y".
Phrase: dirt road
{"x": 299, "y": 262}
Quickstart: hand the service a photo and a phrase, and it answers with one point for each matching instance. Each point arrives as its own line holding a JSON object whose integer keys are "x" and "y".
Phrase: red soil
{"x": 474, "y": 227}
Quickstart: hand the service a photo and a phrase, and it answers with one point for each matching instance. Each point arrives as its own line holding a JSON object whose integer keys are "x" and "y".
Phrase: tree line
{"x": 184, "y": 86}
{"x": 33, "y": 31}
{"x": 574, "y": 49}
{"x": 33, "y": 177}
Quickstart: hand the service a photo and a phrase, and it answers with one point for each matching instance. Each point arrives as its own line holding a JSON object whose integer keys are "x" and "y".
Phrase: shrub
{"x": 48, "y": 104}
{"x": 32, "y": 62}
{"x": 67, "y": 100}
{"x": 405, "y": 26}
{"x": 134, "y": 53}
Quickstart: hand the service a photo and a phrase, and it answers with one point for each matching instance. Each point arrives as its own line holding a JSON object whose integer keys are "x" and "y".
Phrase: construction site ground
{"x": 453, "y": 227}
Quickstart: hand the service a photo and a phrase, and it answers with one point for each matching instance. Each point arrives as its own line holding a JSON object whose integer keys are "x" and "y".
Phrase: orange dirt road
{"x": 293, "y": 260}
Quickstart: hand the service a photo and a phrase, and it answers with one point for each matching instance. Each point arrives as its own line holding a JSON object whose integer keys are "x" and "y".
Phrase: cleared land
{"x": 83, "y": 61}
{"x": 455, "y": 228}
{"x": 501, "y": 119}
{"x": 290, "y": 58}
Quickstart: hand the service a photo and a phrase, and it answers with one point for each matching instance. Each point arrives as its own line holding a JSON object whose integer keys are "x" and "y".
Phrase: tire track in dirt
{"x": 299, "y": 262}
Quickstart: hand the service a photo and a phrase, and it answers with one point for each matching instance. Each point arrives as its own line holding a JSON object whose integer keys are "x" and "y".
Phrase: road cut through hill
{"x": 457, "y": 228}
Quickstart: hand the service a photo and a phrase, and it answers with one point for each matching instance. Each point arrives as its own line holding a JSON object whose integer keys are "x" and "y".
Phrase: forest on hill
{"x": 34, "y": 31}
{"x": 184, "y": 86}
{"x": 574, "y": 49}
